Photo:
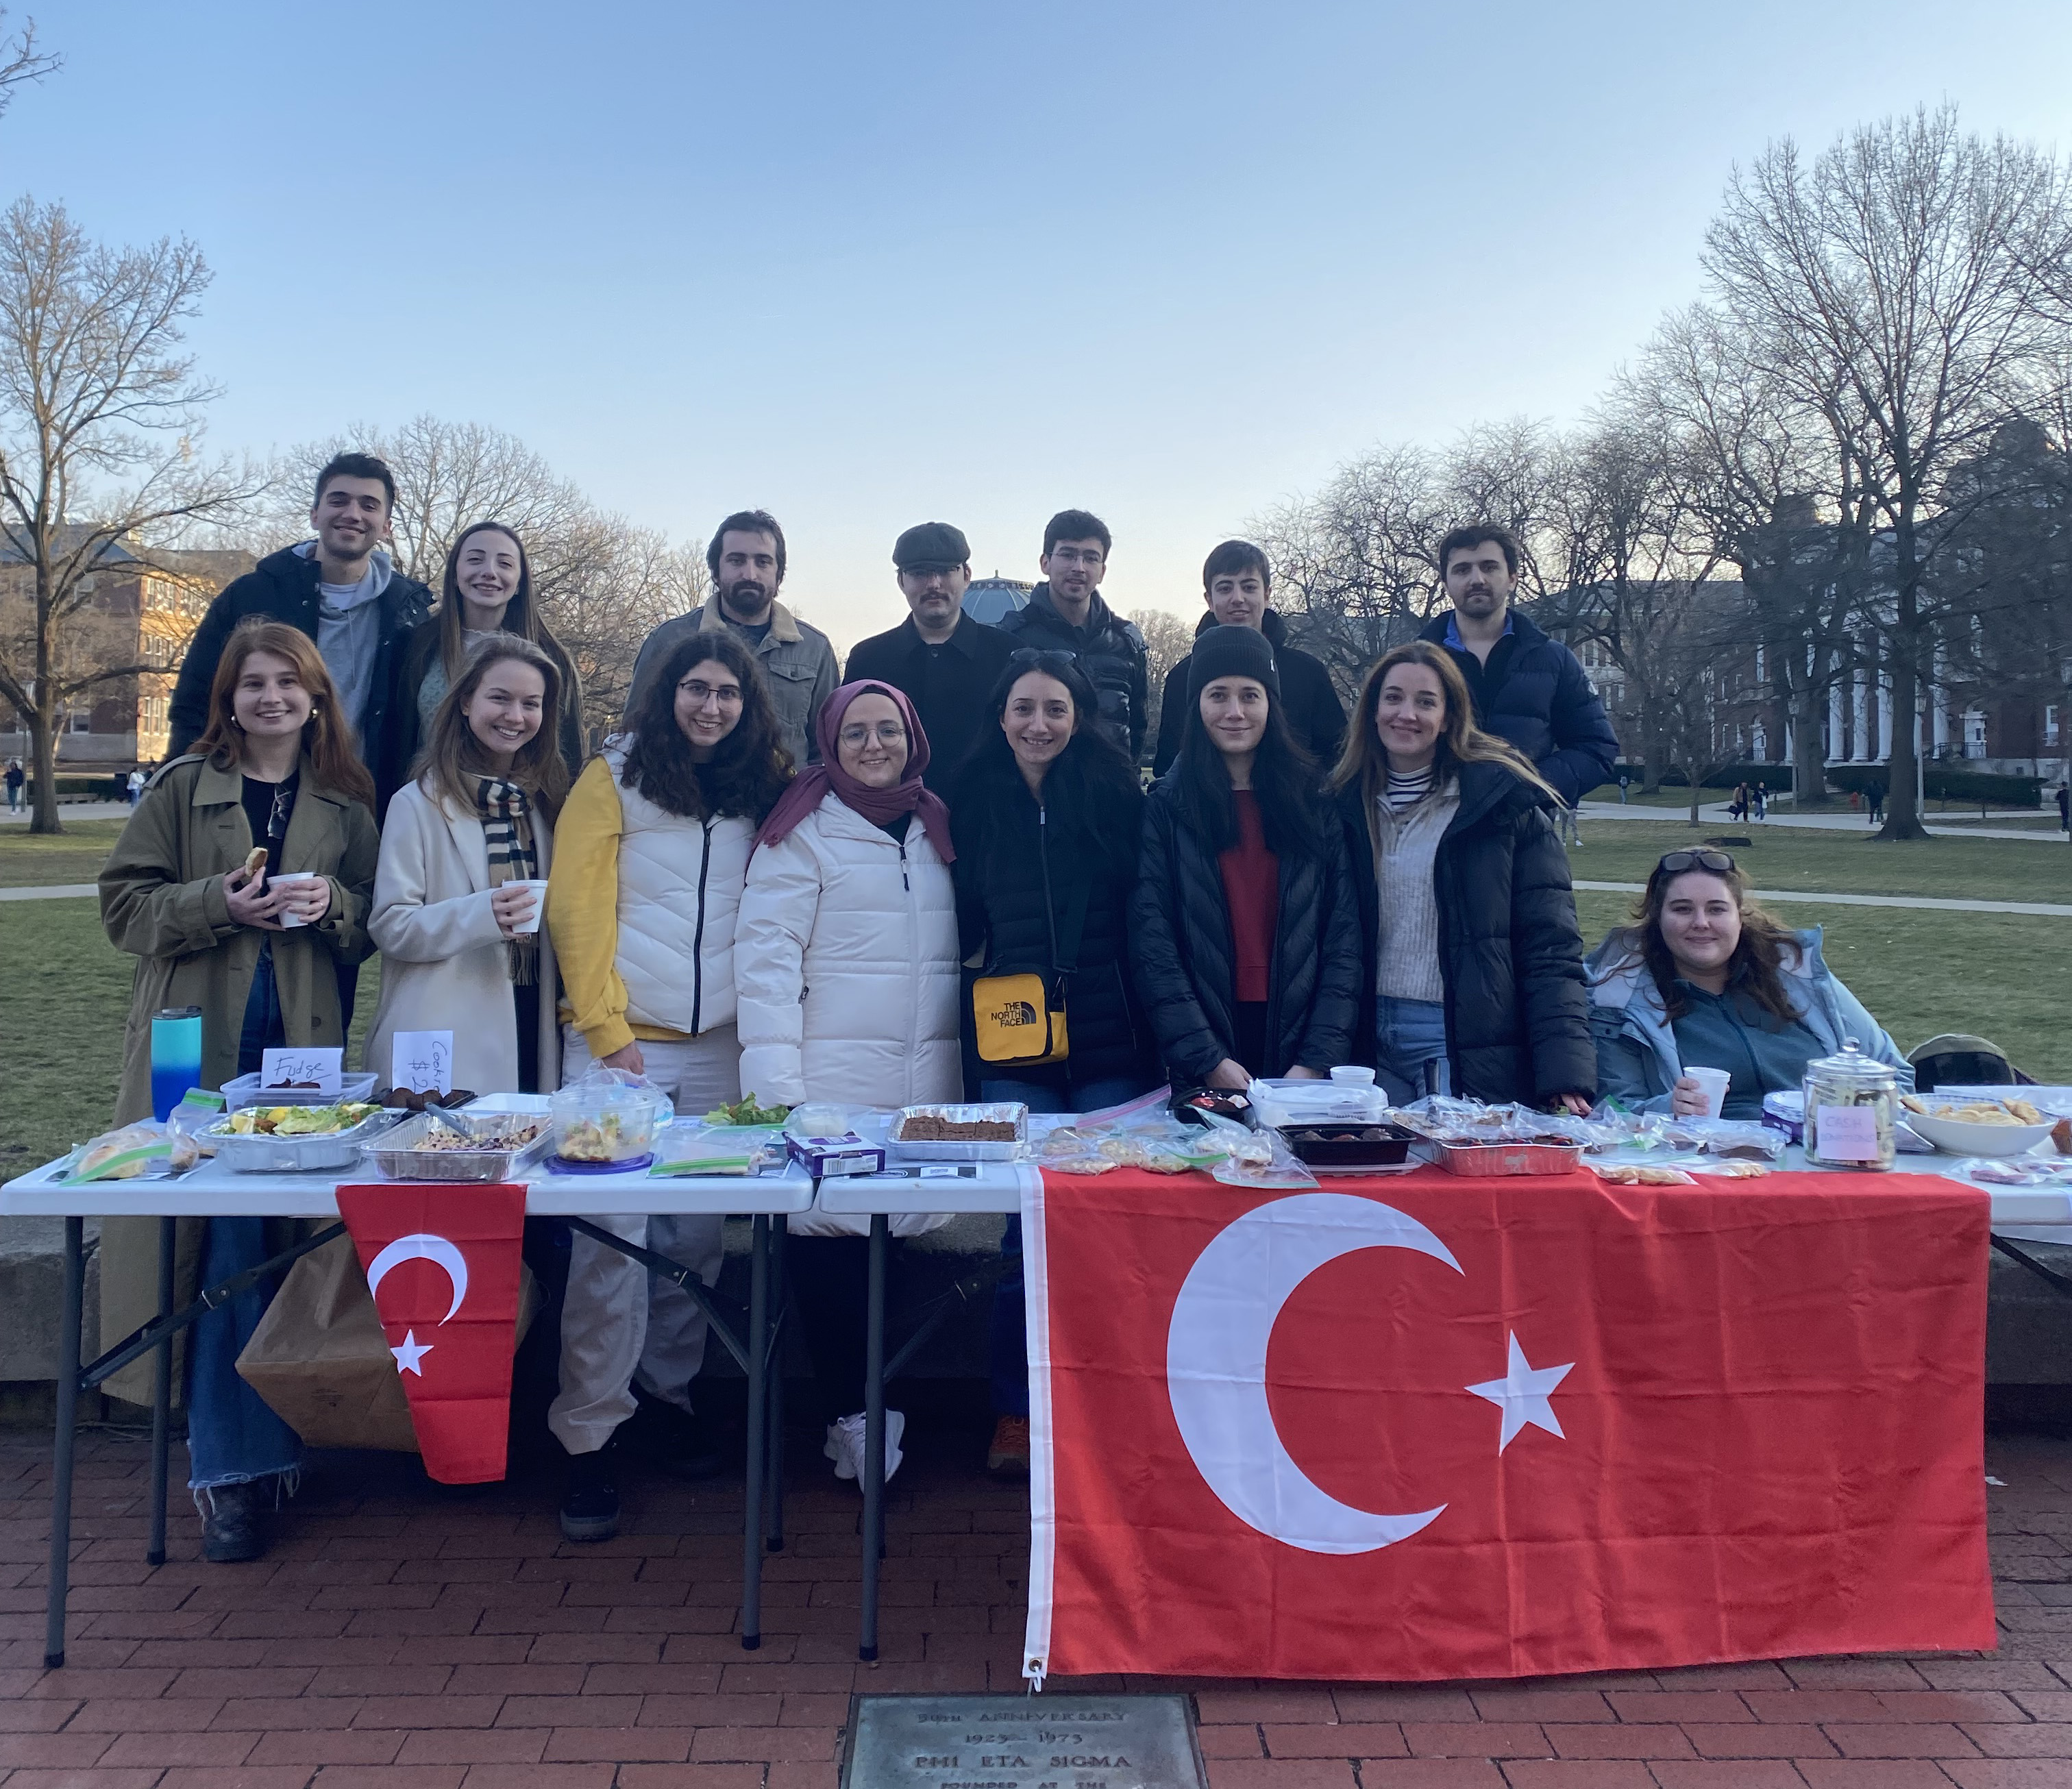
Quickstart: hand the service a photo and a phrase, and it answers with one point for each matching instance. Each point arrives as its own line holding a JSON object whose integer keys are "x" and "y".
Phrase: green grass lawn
{"x": 1838, "y": 863}
{"x": 30, "y": 860}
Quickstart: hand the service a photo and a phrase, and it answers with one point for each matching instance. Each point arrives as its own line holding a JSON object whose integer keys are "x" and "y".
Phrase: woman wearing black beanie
{"x": 1247, "y": 941}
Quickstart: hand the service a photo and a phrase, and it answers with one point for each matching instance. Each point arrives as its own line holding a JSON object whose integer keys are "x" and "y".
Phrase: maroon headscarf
{"x": 909, "y": 795}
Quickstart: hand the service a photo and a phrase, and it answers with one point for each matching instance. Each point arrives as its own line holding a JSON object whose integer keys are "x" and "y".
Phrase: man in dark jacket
{"x": 1237, "y": 582}
{"x": 341, "y": 589}
{"x": 1527, "y": 688}
{"x": 1066, "y": 613}
{"x": 941, "y": 659}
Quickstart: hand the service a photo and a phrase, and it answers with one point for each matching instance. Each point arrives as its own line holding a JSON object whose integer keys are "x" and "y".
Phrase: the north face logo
{"x": 1015, "y": 1012}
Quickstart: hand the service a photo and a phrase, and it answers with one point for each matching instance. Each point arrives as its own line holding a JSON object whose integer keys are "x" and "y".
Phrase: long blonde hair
{"x": 1461, "y": 740}
{"x": 453, "y": 759}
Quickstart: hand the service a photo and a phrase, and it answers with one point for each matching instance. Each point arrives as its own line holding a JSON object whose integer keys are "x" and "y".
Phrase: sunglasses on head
{"x": 1676, "y": 862}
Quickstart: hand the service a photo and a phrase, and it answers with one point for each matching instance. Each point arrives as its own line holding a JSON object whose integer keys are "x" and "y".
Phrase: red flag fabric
{"x": 443, "y": 1263}
{"x": 1430, "y": 1427}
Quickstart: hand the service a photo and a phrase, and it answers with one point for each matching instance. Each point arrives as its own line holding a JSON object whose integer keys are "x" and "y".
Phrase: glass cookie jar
{"x": 1852, "y": 1111}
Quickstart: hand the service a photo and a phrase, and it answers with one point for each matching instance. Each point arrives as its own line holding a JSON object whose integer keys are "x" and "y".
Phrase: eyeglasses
{"x": 1676, "y": 862}
{"x": 700, "y": 693}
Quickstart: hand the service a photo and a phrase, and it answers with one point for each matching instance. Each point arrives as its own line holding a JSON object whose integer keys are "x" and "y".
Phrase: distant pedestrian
{"x": 1624, "y": 779}
{"x": 1571, "y": 832}
{"x": 136, "y": 784}
{"x": 1762, "y": 801}
{"x": 2064, "y": 798}
{"x": 1738, "y": 807}
{"x": 16, "y": 777}
{"x": 1876, "y": 794}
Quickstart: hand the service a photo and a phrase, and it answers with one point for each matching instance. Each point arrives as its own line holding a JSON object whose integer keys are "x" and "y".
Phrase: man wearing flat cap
{"x": 938, "y": 658}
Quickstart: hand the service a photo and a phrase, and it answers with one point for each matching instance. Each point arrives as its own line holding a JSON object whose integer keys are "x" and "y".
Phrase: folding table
{"x": 212, "y": 1190}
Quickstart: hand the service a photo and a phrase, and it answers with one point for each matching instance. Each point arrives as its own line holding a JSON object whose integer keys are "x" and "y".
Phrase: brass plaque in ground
{"x": 1051, "y": 1742}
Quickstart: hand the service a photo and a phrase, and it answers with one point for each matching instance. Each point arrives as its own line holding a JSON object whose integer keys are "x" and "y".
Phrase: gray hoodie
{"x": 349, "y": 632}
{"x": 1637, "y": 1058}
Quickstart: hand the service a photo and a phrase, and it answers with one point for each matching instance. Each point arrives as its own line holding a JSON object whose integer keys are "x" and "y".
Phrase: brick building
{"x": 138, "y": 611}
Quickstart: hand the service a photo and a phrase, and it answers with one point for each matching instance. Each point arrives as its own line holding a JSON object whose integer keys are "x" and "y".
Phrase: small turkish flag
{"x": 443, "y": 1263}
{"x": 1431, "y": 1427}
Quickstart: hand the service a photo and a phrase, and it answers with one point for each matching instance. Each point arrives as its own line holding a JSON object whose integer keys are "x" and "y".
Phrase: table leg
{"x": 757, "y": 1365}
{"x": 162, "y": 1395}
{"x": 64, "y": 1442}
{"x": 773, "y": 1500}
{"x": 874, "y": 1437}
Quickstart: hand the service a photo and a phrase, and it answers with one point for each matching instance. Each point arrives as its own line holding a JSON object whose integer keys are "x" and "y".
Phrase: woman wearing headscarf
{"x": 846, "y": 971}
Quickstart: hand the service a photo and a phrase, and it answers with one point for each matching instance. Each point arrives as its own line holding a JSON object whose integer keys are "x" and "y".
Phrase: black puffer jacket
{"x": 1181, "y": 947}
{"x": 1534, "y": 693}
{"x": 1510, "y": 954}
{"x": 283, "y": 587}
{"x": 1111, "y": 652}
{"x": 1089, "y": 837}
{"x": 1309, "y": 701}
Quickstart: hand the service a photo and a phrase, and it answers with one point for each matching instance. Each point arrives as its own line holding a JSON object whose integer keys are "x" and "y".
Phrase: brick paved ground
{"x": 399, "y": 1638}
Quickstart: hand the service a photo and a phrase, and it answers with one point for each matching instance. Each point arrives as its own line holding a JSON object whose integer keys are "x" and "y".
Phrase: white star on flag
{"x": 1522, "y": 1395}
{"x": 411, "y": 1352}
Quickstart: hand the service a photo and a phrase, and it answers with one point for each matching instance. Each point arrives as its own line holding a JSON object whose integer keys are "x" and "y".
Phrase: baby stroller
{"x": 1956, "y": 1059}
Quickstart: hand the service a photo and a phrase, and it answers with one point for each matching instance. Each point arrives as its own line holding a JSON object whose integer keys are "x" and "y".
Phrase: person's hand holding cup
{"x": 517, "y": 908}
{"x": 1699, "y": 1093}
{"x": 304, "y": 897}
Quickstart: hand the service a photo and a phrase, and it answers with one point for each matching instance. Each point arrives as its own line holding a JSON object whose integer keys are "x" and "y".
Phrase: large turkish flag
{"x": 1430, "y": 1427}
{"x": 443, "y": 1263}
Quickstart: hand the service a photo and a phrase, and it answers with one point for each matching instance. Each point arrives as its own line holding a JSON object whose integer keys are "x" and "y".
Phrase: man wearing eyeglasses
{"x": 1066, "y": 613}
{"x": 938, "y": 658}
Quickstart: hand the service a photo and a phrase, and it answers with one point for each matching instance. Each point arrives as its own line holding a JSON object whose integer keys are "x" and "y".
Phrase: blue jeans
{"x": 1410, "y": 1048}
{"x": 1010, "y": 1320}
{"x": 233, "y": 1436}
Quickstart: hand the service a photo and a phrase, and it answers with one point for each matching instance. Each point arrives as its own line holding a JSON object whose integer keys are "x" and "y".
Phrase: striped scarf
{"x": 506, "y": 829}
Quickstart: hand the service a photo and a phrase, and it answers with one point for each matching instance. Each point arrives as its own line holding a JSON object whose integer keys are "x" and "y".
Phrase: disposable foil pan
{"x": 1004, "y": 1112}
{"x": 1509, "y": 1158}
{"x": 262, "y": 1153}
{"x": 397, "y": 1156}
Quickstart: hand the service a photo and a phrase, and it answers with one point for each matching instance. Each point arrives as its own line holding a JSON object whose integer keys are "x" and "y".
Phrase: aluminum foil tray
{"x": 396, "y": 1155}
{"x": 1509, "y": 1158}
{"x": 1004, "y": 1112}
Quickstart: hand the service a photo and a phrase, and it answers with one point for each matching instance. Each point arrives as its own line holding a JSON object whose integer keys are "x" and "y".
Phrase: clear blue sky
{"x": 867, "y": 265}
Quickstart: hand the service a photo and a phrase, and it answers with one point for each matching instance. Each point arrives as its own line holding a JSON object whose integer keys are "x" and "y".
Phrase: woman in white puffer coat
{"x": 846, "y": 971}
{"x": 651, "y": 856}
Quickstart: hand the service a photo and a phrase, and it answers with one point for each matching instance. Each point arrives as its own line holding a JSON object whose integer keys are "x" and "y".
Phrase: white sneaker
{"x": 845, "y": 1443}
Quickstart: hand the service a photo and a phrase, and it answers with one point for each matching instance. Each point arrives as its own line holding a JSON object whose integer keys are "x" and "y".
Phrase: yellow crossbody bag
{"x": 1018, "y": 1019}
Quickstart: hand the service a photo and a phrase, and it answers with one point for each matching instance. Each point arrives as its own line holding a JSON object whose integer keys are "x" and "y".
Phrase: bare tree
{"x": 1168, "y": 639}
{"x": 99, "y": 411}
{"x": 1890, "y": 283}
{"x": 23, "y": 63}
{"x": 613, "y": 585}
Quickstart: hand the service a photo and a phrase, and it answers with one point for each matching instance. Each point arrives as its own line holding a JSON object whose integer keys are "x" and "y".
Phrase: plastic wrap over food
{"x": 2017, "y": 1170}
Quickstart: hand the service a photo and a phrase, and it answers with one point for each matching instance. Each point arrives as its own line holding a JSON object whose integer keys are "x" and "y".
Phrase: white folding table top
{"x": 214, "y": 1190}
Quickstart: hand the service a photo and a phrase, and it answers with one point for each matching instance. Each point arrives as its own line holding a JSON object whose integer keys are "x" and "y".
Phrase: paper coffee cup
{"x": 539, "y": 888}
{"x": 1712, "y": 1084}
{"x": 289, "y": 921}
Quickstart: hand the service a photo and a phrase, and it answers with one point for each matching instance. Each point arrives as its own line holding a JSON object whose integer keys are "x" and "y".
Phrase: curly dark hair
{"x": 747, "y": 772}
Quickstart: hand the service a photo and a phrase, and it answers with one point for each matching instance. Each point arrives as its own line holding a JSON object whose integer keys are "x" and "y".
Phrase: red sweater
{"x": 1251, "y": 891}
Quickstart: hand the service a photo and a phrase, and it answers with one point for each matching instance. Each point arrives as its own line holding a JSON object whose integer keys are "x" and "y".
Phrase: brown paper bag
{"x": 319, "y": 1360}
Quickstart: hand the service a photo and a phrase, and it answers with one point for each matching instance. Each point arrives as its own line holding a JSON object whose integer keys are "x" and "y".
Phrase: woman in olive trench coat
{"x": 163, "y": 900}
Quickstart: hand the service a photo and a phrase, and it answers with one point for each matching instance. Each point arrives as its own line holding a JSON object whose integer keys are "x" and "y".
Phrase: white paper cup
{"x": 539, "y": 888}
{"x": 1712, "y": 1084}
{"x": 289, "y": 921}
{"x": 1352, "y": 1074}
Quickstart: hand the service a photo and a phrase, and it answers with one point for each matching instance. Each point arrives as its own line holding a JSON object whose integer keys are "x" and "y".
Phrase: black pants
{"x": 830, "y": 1285}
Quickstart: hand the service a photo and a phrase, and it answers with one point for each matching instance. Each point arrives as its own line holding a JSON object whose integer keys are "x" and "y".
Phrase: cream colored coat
{"x": 444, "y": 966}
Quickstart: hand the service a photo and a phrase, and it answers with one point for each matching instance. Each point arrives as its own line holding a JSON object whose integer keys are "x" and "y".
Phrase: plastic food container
{"x": 1015, "y": 1115}
{"x": 618, "y": 1124}
{"x": 1852, "y": 1111}
{"x": 1509, "y": 1158}
{"x": 1349, "y": 1149}
{"x": 1281, "y": 1103}
{"x": 397, "y": 1154}
{"x": 245, "y": 1090}
{"x": 265, "y": 1154}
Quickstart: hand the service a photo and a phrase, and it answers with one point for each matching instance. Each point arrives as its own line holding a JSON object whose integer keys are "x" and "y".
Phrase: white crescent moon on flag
{"x": 1215, "y": 1364}
{"x": 422, "y": 1247}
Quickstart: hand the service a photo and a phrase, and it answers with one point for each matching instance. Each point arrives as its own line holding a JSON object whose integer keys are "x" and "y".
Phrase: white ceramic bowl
{"x": 1960, "y": 1138}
